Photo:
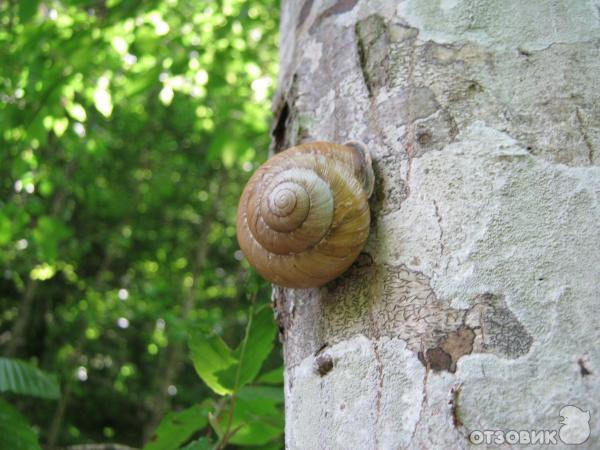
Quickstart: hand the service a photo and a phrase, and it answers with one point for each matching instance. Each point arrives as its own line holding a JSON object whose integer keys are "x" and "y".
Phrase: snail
{"x": 303, "y": 217}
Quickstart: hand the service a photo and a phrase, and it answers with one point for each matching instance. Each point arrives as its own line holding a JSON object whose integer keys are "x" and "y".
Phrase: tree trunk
{"x": 474, "y": 304}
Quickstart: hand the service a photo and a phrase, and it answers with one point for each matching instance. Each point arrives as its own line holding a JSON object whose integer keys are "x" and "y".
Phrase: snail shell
{"x": 303, "y": 217}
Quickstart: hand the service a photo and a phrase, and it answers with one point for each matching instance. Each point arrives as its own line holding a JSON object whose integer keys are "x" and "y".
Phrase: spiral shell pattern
{"x": 304, "y": 217}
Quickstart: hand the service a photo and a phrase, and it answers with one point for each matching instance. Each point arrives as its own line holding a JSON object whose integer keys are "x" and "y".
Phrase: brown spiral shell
{"x": 303, "y": 217}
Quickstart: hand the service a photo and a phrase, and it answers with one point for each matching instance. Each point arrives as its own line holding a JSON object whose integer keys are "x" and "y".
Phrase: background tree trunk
{"x": 475, "y": 303}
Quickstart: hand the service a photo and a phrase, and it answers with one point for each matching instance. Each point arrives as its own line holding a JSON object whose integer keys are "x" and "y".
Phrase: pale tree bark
{"x": 474, "y": 305}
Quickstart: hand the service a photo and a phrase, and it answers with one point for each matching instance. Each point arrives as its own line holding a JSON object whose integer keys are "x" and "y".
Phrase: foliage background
{"x": 127, "y": 131}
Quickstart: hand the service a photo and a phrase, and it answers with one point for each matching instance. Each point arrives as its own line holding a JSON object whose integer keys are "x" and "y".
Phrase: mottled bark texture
{"x": 474, "y": 305}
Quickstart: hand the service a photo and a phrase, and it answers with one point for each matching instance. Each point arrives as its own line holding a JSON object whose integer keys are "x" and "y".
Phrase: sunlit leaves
{"x": 76, "y": 111}
{"x": 102, "y": 97}
{"x": 42, "y": 272}
{"x": 120, "y": 45}
{"x": 60, "y": 126}
{"x": 166, "y": 95}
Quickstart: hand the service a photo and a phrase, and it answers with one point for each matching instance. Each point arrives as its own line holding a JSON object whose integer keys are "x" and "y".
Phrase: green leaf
{"x": 257, "y": 416}
{"x": 277, "y": 445}
{"x": 15, "y": 431}
{"x": 252, "y": 393}
{"x": 218, "y": 365}
{"x": 261, "y": 423}
{"x": 274, "y": 376}
{"x": 259, "y": 346}
{"x": 200, "y": 444}
{"x": 177, "y": 427}
{"x": 23, "y": 378}
{"x": 212, "y": 356}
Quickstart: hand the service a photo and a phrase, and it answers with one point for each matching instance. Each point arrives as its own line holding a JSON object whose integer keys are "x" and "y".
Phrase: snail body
{"x": 303, "y": 217}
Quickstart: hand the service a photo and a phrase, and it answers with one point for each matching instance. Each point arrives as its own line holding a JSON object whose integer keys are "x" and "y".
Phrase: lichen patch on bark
{"x": 406, "y": 307}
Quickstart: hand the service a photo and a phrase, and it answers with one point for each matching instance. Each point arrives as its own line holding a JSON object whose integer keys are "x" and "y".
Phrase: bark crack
{"x": 362, "y": 61}
{"x": 284, "y": 311}
{"x": 379, "y": 393}
{"x": 339, "y": 7}
{"x": 376, "y": 336}
{"x": 410, "y": 128}
{"x": 586, "y": 138}
{"x": 304, "y": 12}
{"x": 423, "y": 404}
{"x": 439, "y": 221}
{"x": 372, "y": 45}
{"x": 280, "y": 128}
